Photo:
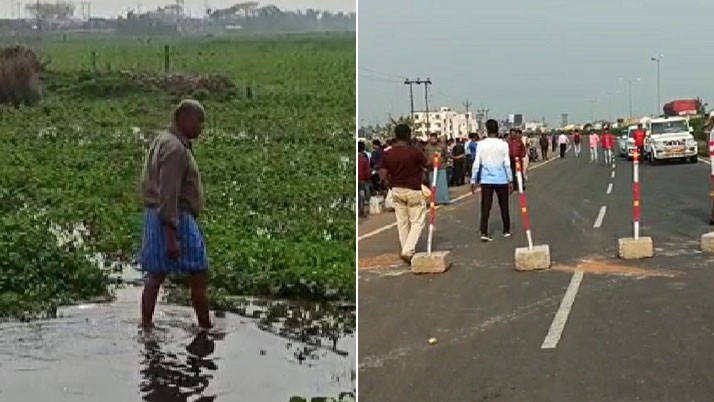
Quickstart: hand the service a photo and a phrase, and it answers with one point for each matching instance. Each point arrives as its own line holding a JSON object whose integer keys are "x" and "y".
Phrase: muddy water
{"x": 269, "y": 351}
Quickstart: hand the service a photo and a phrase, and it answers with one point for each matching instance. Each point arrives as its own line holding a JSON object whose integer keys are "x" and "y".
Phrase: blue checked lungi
{"x": 442, "y": 187}
{"x": 153, "y": 258}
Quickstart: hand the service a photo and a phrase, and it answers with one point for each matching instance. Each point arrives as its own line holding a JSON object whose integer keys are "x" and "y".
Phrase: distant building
{"x": 445, "y": 122}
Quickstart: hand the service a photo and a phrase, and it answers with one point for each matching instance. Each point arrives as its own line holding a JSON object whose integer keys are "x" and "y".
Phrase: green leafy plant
{"x": 277, "y": 167}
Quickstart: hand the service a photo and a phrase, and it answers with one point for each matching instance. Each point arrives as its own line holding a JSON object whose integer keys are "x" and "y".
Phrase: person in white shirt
{"x": 563, "y": 143}
{"x": 492, "y": 172}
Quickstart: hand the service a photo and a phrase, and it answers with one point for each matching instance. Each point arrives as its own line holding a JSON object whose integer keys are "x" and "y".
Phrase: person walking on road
{"x": 432, "y": 148}
{"x": 403, "y": 171}
{"x": 544, "y": 145}
{"x": 554, "y": 142}
{"x": 173, "y": 199}
{"x": 470, "y": 151}
{"x": 594, "y": 141}
{"x": 492, "y": 172}
{"x": 527, "y": 158}
{"x": 577, "y": 139}
{"x": 563, "y": 143}
{"x": 458, "y": 153}
{"x": 640, "y": 136}
{"x": 516, "y": 149}
{"x": 608, "y": 144}
{"x": 363, "y": 175}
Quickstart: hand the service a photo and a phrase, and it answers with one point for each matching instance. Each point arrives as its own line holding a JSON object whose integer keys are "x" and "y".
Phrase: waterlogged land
{"x": 277, "y": 163}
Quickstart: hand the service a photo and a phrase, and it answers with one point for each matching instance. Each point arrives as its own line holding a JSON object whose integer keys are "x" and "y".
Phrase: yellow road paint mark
{"x": 381, "y": 261}
{"x": 611, "y": 268}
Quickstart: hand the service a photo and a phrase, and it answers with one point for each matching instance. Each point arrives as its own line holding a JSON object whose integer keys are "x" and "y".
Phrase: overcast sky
{"x": 539, "y": 58}
{"x": 111, "y": 8}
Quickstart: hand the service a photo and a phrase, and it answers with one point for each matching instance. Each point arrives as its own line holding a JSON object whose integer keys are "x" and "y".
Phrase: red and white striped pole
{"x": 522, "y": 199}
{"x": 636, "y": 192}
{"x": 432, "y": 219}
{"x": 711, "y": 164}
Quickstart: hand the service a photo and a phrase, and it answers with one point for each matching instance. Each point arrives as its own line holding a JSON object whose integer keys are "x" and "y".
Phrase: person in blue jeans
{"x": 492, "y": 173}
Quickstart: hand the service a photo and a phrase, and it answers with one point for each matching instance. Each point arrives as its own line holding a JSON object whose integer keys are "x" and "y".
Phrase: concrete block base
{"x": 634, "y": 249}
{"x": 708, "y": 242}
{"x": 434, "y": 263}
{"x": 533, "y": 259}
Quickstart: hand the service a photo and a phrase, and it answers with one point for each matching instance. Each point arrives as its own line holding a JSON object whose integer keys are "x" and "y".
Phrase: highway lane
{"x": 636, "y": 331}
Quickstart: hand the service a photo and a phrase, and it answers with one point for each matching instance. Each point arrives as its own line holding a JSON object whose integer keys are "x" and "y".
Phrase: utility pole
{"x": 659, "y": 101}
{"x": 467, "y": 105}
{"x": 411, "y": 98}
{"x": 426, "y": 101}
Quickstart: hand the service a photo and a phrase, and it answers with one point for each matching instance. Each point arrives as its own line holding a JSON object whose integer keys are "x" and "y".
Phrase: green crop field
{"x": 276, "y": 157}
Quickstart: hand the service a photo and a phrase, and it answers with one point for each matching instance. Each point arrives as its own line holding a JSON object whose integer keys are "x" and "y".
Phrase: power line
{"x": 400, "y": 77}
{"x": 380, "y": 79}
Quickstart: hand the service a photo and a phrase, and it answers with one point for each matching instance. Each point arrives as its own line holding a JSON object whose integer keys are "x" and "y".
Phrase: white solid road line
{"x": 612, "y": 175}
{"x": 600, "y": 217}
{"x": 459, "y": 198}
{"x": 561, "y": 317}
{"x": 609, "y": 189}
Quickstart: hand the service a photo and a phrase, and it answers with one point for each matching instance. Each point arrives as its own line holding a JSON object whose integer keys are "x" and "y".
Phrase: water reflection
{"x": 172, "y": 377}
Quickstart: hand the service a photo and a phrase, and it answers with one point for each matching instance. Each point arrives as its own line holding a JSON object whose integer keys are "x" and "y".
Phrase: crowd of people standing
{"x": 404, "y": 166}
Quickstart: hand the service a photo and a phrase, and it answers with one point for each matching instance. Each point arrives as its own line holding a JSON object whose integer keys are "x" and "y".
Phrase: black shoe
{"x": 406, "y": 258}
{"x": 486, "y": 238}
{"x": 711, "y": 222}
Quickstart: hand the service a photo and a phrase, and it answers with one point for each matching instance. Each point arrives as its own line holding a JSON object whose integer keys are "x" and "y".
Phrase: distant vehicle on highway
{"x": 626, "y": 143}
{"x": 683, "y": 107}
{"x": 670, "y": 138}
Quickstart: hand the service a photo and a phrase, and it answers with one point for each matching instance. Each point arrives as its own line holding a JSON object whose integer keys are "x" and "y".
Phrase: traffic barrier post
{"x": 636, "y": 247}
{"x": 524, "y": 205}
{"x": 636, "y": 195}
{"x": 432, "y": 215}
{"x": 438, "y": 261}
{"x": 711, "y": 165}
{"x": 707, "y": 239}
{"x": 529, "y": 258}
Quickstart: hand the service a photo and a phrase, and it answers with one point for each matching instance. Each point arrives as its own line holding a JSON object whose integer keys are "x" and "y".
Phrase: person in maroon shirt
{"x": 516, "y": 149}
{"x": 640, "y": 135}
{"x": 402, "y": 170}
{"x": 363, "y": 176}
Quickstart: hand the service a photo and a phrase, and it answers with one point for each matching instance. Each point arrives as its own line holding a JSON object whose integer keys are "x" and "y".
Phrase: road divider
{"x": 636, "y": 247}
{"x": 529, "y": 258}
{"x": 438, "y": 262}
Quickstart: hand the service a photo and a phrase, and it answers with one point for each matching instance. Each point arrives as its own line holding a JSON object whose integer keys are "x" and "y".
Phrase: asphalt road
{"x": 637, "y": 331}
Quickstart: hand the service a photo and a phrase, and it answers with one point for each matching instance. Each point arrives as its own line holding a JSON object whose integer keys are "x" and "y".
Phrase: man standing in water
{"x": 492, "y": 172}
{"x": 403, "y": 171}
{"x": 173, "y": 199}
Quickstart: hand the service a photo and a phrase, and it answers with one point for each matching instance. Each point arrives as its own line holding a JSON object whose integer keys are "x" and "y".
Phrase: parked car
{"x": 626, "y": 143}
{"x": 670, "y": 138}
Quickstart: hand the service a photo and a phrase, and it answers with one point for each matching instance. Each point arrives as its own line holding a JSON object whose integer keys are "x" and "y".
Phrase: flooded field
{"x": 270, "y": 351}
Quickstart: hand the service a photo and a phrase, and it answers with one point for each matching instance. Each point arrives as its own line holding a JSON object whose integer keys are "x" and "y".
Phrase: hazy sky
{"x": 110, "y": 8}
{"x": 536, "y": 57}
